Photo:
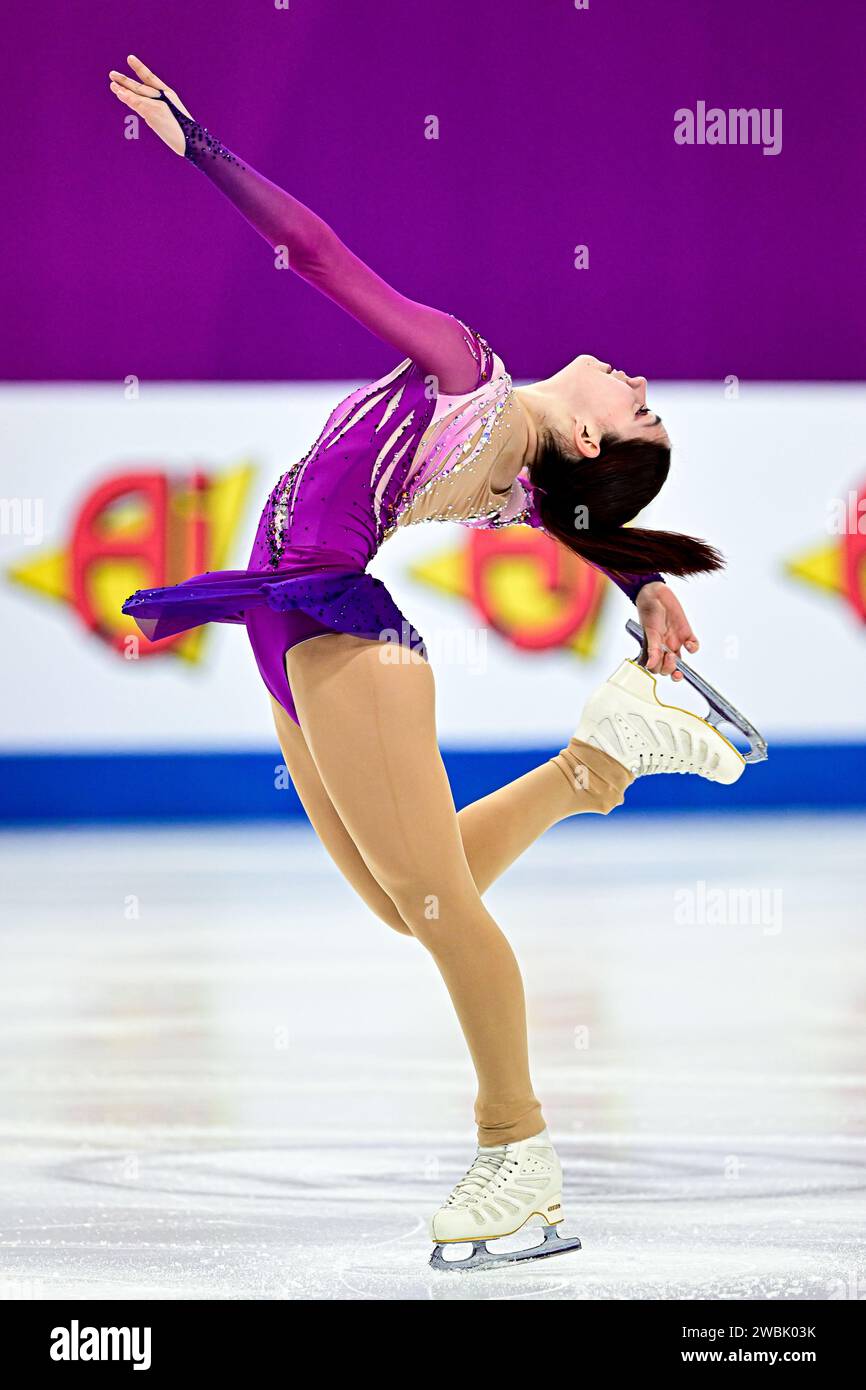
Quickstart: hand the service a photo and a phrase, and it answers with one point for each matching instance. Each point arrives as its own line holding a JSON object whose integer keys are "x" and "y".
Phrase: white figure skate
{"x": 627, "y": 720}
{"x": 507, "y": 1188}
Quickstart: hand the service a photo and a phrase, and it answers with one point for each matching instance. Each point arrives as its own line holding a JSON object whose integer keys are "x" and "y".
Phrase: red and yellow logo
{"x": 139, "y": 530}
{"x": 527, "y": 587}
{"x": 838, "y": 565}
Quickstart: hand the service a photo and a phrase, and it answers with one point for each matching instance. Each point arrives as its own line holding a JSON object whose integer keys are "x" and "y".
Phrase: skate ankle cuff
{"x": 597, "y": 779}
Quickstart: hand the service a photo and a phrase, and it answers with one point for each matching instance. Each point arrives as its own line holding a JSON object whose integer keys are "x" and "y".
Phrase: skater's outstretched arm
{"x": 435, "y": 340}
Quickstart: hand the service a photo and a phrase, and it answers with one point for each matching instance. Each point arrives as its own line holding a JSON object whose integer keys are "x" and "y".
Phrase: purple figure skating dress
{"x": 417, "y": 444}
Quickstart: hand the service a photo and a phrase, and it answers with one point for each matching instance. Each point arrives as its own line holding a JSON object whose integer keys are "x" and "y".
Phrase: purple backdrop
{"x": 556, "y": 128}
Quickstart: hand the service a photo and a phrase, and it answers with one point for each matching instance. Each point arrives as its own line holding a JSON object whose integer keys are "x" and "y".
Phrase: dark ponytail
{"x": 585, "y": 503}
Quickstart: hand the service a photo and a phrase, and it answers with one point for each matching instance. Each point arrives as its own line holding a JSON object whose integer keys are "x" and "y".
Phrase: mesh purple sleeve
{"x": 631, "y": 584}
{"x": 436, "y": 341}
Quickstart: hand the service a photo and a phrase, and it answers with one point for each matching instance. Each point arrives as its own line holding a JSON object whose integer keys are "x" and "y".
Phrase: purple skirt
{"x": 314, "y": 591}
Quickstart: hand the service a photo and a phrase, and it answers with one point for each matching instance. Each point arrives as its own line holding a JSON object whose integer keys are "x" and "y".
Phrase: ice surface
{"x": 222, "y": 1078}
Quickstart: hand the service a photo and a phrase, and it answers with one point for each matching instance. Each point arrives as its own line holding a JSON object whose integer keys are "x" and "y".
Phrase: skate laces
{"x": 677, "y": 750}
{"x": 653, "y": 762}
{"x": 484, "y": 1172}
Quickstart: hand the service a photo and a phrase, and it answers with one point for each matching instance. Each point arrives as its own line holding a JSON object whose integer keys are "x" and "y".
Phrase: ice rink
{"x": 222, "y": 1078}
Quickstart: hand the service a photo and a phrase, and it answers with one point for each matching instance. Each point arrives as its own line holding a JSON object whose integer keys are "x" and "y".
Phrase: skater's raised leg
{"x": 495, "y": 830}
{"x": 500, "y": 827}
{"x": 616, "y": 742}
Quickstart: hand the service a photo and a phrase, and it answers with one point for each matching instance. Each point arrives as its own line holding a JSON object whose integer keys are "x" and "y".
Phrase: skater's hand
{"x": 142, "y": 97}
{"x": 666, "y": 629}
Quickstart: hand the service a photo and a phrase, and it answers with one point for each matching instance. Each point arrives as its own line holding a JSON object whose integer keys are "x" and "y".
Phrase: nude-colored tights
{"x": 367, "y": 768}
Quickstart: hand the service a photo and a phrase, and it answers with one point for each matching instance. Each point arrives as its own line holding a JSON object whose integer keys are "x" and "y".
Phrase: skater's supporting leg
{"x": 327, "y": 824}
{"x": 371, "y": 729}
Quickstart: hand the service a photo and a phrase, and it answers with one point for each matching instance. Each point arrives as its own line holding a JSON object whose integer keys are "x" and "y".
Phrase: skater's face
{"x": 606, "y": 401}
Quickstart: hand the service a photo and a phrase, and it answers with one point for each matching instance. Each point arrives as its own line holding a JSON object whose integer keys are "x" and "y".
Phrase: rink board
{"x": 106, "y": 491}
{"x": 56, "y": 788}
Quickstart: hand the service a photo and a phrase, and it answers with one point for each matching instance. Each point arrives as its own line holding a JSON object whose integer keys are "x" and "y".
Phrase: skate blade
{"x": 721, "y": 710}
{"x": 481, "y": 1257}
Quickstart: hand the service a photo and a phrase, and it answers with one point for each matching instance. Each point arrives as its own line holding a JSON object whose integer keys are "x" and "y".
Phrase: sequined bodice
{"x": 394, "y": 453}
{"x": 451, "y": 478}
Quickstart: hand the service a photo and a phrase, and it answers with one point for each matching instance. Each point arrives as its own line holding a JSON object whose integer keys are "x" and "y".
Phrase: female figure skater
{"x": 444, "y": 435}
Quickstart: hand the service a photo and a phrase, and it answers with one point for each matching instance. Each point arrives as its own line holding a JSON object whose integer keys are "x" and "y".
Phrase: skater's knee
{"x": 413, "y": 905}
{"x": 388, "y": 912}
{"x": 435, "y": 911}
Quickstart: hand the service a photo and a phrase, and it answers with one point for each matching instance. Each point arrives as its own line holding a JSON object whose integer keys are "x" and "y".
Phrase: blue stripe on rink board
{"x": 58, "y": 788}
